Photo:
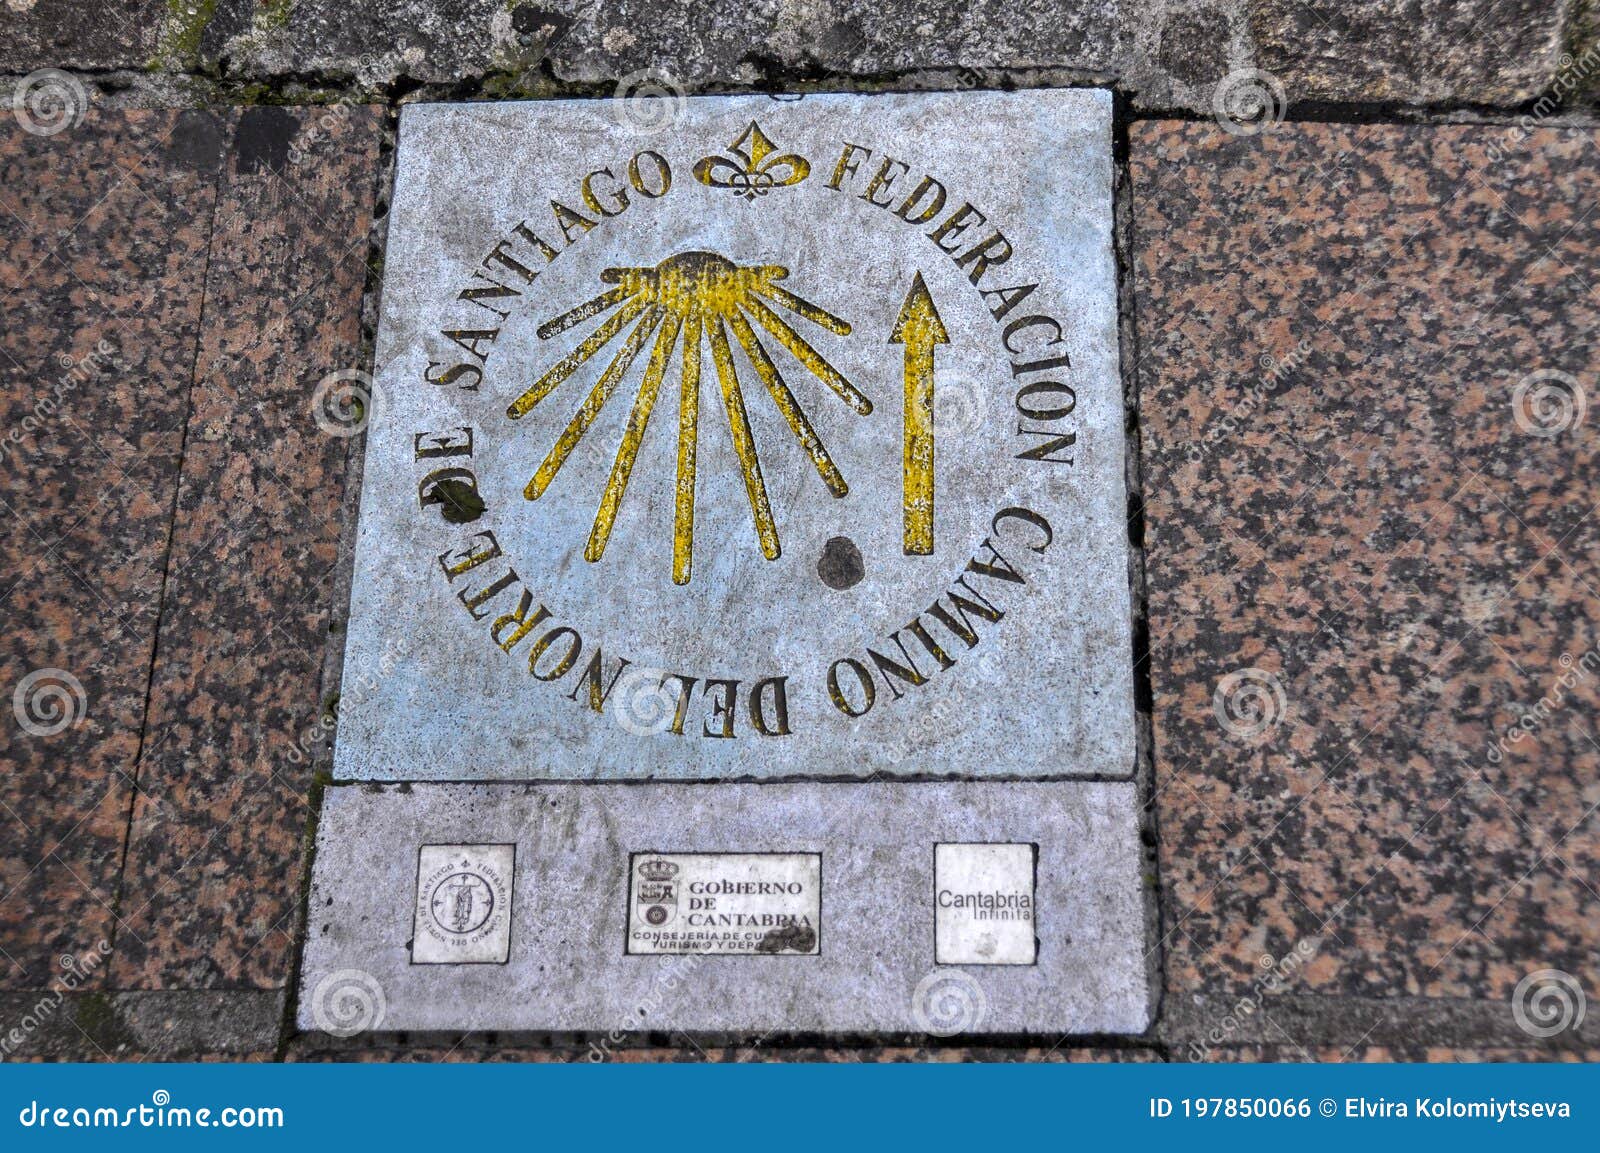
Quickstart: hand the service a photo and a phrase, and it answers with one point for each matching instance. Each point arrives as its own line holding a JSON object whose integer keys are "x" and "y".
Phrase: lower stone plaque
{"x": 642, "y": 907}
{"x": 728, "y": 904}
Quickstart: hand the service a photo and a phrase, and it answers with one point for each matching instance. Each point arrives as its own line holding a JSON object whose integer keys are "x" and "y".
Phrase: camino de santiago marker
{"x": 742, "y": 556}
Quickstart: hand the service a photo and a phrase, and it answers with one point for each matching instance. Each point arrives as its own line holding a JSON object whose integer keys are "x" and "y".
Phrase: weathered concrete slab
{"x": 66, "y": 34}
{"x": 860, "y": 507}
{"x": 1167, "y": 54}
{"x": 871, "y": 967}
{"x": 1438, "y": 51}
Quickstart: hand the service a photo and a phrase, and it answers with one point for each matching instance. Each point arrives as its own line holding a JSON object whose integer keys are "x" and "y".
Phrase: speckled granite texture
{"x": 1333, "y": 325}
{"x": 1365, "y": 557}
{"x": 215, "y": 845}
{"x": 103, "y": 241}
{"x": 169, "y": 483}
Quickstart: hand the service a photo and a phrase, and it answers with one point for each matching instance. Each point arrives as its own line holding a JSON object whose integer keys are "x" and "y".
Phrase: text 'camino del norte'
{"x": 526, "y": 624}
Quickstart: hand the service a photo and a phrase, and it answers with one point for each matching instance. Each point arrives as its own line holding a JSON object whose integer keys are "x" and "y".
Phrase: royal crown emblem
{"x": 658, "y": 870}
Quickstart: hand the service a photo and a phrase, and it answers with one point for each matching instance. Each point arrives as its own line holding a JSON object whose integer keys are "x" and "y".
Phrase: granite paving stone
{"x": 217, "y": 834}
{"x": 103, "y": 246}
{"x": 1380, "y": 1054}
{"x": 1366, "y": 355}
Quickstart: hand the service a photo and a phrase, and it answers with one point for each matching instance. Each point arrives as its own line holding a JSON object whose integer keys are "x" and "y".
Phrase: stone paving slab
{"x": 683, "y": 589}
{"x": 867, "y": 964}
{"x": 1167, "y": 53}
{"x": 1437, "y": 52}
{"x": 67, "y": 34}
{"x": 104, "y": 228}
{"x": 219, "y": 825}
{"x": 1366, "y": 357}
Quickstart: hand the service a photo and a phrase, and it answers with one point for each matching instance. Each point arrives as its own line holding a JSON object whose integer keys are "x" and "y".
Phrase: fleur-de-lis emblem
{"x": 753, "y": 170}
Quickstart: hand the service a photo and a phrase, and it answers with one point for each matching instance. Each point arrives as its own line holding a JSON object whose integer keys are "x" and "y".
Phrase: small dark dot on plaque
{"x": 840, "y": 565}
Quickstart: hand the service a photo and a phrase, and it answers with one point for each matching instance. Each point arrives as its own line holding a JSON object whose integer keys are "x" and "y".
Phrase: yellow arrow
{"x": 919, "y": 329}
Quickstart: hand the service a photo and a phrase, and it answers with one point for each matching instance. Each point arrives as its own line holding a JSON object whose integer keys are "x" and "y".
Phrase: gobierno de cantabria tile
{"x": 762, "y": 439}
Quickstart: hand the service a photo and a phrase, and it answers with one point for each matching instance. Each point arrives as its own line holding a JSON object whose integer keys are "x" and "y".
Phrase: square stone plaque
{"x": 746, "y": 438}
{"x": 985, "y": 904}
{"x": 463, "y": 912}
